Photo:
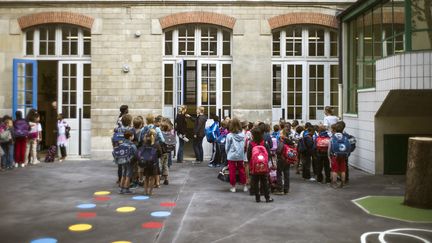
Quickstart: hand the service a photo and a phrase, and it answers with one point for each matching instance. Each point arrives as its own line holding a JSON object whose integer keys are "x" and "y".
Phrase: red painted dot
{"x": 86, "y": 215}
{"x": 102, "y": 199}
{"x": 168, "y": 204}
{"x": 152, "y": 225}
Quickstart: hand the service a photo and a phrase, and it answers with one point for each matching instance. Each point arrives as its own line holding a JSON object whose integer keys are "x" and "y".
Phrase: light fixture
{"x": 125, "y": 68}
{"x": 137, "y": 33}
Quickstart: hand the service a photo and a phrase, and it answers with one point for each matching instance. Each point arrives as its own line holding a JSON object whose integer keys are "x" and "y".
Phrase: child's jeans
{"x": 233, "y": 166}
{"x": 31, "y": 149}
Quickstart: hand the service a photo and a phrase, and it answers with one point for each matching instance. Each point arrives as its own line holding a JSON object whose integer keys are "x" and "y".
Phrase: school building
{"x": 256, "y": 60}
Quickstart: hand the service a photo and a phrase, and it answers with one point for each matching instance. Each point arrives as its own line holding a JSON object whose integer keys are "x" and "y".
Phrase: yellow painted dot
{"x": 102, "y": 193}
{"x": 125, "y": 209}
{"x": 121, "y": 242}
{"x": 80, "y": 227}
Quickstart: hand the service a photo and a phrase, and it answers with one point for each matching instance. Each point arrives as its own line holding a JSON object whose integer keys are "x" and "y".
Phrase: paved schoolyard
{"x": 41, "y": 202}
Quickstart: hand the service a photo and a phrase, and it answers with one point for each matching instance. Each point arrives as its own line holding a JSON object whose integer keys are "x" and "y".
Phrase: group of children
{"x": 142, "y": 151}
{"x": 20, "y": 139}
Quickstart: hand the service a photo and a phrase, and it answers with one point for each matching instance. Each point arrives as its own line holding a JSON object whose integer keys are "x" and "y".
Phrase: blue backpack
{"x": 123, "y": 153}
{"x": 147, "y": 156}
{"x": 221, "y": 139}
{"x": 118, "y": 136}
{"x": 340, "y": 145}
{"x": 212, "y": 132}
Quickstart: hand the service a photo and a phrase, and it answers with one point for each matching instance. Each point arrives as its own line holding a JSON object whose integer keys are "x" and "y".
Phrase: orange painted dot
{"x": 152, "y": 225}
{"x": 102, "y": 199}
{"x": 86, "y": 215}
{"x": 168, "y": 204}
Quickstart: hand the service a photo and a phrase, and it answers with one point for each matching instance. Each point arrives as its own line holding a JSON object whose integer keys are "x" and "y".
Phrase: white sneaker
{"x": 16, "y": 165}
{"x": 232, "y": 189}
{"x": 23, "y": 165}
{"x": 36, "y": 162}
{"x": 245, "y": 189}
{"x": 312, "y": 179}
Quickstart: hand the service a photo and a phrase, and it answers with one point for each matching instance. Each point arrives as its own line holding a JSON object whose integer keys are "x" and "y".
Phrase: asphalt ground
{"x": 41, "y": 201}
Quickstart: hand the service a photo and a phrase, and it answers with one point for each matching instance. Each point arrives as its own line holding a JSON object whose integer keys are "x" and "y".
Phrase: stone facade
{"x": 114, "y": 43}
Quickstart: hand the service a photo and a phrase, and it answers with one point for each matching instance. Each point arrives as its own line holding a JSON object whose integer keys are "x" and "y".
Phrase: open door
{"x": 74, "y": 102}
{"x": 24, "y": 93}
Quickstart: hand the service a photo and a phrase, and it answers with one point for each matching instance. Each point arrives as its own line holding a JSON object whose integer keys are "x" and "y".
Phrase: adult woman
{"x": 199, "y": 134}
{"x": 234, "y": 147}
{"x": 329, "y": 118}
{"x": 180, "y": 127}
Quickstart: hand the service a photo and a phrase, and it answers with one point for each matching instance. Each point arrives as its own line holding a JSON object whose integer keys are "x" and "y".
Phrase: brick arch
{"x": 197, "y": 17}
{"x": 303, "y": 18}
{"x": 55, "y": 17}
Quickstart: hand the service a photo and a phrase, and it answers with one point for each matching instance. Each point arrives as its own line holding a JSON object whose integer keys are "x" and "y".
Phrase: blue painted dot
{"x": 160, "y": 214}
{"x": 44, "y": 240}
{"x": 140, "y": 198}
{"x": 86, "y": 206}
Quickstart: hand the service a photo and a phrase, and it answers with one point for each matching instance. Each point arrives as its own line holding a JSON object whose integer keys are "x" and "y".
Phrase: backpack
{"x": 21, "y": 128}
{"x": 340, "y": 145}
{"x": 301, "y": 145}
{"x": 211, "y": 132}
{"x": 322, "y": 143}
{"x": 50, "y": 156}
{"x": 170, "y": 141}
{"x": 290, "y": 154}
{"x": 259, "y": 159}
{"x": 123, "y": 153}
{"x": 352, "y": 141}
{"x": 5, "y": 134}
{"x": 147, "y": 156}
{"x": 221, "y": 139}
{"x": 274, "y": 144}
{"x": 118, "y": 138}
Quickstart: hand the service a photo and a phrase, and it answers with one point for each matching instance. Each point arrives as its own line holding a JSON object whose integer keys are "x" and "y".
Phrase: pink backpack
{"x": 290, "y": 154}
{"x": 322, "y": 144}
{"x": 259, "y": 159}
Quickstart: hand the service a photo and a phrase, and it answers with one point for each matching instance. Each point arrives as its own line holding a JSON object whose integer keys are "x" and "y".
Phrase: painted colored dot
{"x": 152, "y": 225}
{"x": 86, "y": 215}
{"x": 86, "y": 205}
{"x": 140, "y": 198}
{"x": 122, "y": 241}
{"x": 125, "y": 209}
{"x": 102, "y": 193}
{"x": 168, "y": 204}
{"x": 80, "y": 227}
{"x": 102, "y": 199}
{"x": 44, "y": 240}
{"x": 160, "y": 214}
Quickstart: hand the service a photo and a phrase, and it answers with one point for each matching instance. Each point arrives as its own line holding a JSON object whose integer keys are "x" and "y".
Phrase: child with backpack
{"x": 286, "y": 154}
{"x": 305, "y": 148}
{"x": 167, "y": 147}
{"x": 257, "y": 155}
{"x": 234, "y": 147}
{"x": 123, "y": 156}
{"x": 321, "y": 145}
{"x": 21, "y": 131}
{"x": 32, "y": 140}
{"x": 339, "y": 151}
{"x": 224, "y": 131}
{"x": 118, "y": 137}
{"x": 148, "y": 158}
{"x": 353, "y": 142}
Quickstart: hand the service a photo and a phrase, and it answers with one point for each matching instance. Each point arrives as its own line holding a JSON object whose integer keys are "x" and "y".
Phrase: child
{"x": 21, "y": 130}
{"x": 338, "y": 152}
{"x": 127, "y": 164}
{"x": 306, "y": 150}
{"x": 298, "y": 131}
{"x": 32, "y": 141}
{"x": 283, "y": 164}
{"x": 257, "y": 154}
{"x": 138, "y": 123}
{"x": 167, "y": 132}
{"x": 151, "y": 151}
{"x": 124, "y": 125}
{"x": 234, "y": 147}
{"x": 7, "y": 143}
{"x": 62, "y": 127}
{"x": 222, "y": 142}
{"x": 321, "y": 150}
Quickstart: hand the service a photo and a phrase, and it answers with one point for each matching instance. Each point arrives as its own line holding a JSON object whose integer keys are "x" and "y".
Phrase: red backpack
{"x": 322, "y": 144}
{"x": 259, "y": 159}
{"x": 290, "y": 154}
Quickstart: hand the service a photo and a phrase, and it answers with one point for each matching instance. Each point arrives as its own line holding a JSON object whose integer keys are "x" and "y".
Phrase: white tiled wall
{"x": 403, "y": 71}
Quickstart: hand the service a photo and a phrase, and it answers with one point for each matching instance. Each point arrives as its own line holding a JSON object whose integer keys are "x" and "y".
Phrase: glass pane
{"x": 73, "y": 112}
{"x": 226, "y": 84}
{"x": 65, "y": 69}
{"x": 334, "y": 98}
{"x": 169, "y": 84}
{"x": 73, "y": 98}
{"x": 168, "y": 100}
{"x": 290, "y": 99}
{"x": 29, "y": 84}
{"x": 86, "y": 112}
{"x": 87, "y": 98}
{"x": 65, "y": 84}
{"x": 276, "y": 99}
{"x": 320, "y": 84}
{"x": 298, "y": 84}
{"x": 298, "y": 112}
{"x": 65, "y": 98}
{"x": 320, "y": 99}
{"x": 298, "y": 98}
{"x": 291, "y": 113}
{"x": 87, "y": 70}
{"x": 51, "y": 48}
{"x": 312, "y": 84}
{"x": 73, "y": 68}
{"x": 73, "y": 84}
{"x": 291, "y": 85}
{"x": 334, "y": 85}
{"x": 312, "y": 98}
{"x": 312, "y": 113}
{"x": 42, "y": 48}
{"x": 226, "y": 98}
{"x": 65, "y": 111}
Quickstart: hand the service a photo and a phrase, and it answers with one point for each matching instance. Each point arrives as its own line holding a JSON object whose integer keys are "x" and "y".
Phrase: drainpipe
{"x": 340, "y": 85}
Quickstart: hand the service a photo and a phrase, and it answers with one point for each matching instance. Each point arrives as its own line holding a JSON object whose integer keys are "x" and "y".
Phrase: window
{"x": 304, "y": 73}
{"x": 226, "y": 89}
{"x": 168, "y": 83}
{"x": 208, "y": 41}
{"x": 186, "y": 40}
{"x": 57, "y": 40}
{"x": 334, "y": 88}
{"x": 198, "y": 40}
